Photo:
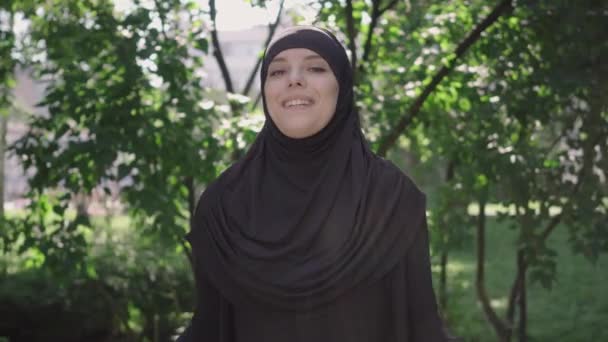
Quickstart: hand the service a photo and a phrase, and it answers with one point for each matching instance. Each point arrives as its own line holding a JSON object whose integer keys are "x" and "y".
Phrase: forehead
{"x": 296, "y": 54}
{"x": 295, "y": 30}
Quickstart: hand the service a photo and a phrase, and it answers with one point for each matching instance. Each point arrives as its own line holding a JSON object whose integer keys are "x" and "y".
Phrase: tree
{"x": 496, "y": 97}
{"x": 491, "y": 114}
{"x": 7, "y": 65}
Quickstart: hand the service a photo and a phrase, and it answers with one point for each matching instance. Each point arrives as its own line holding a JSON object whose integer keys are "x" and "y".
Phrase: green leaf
{"x": 464, "y": 104}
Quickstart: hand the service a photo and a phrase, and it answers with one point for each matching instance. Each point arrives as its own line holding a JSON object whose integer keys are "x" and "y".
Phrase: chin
{"x": 298, "y": 133}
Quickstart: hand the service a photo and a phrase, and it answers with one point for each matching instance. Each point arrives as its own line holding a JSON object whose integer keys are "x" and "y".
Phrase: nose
{"x": 296, "y": 78}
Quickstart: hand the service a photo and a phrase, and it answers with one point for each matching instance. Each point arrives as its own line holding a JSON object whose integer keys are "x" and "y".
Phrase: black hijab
{"x": 297, "y": 222}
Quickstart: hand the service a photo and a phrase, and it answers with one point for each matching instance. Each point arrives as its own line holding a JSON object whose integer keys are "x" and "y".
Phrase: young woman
{"x": 310, "y": 236}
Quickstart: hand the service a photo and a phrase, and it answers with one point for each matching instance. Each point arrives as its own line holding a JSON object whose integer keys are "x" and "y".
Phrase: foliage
{"x": 7, "y": 62}
{"x": 126, "y": 105}
{"x": 518, "y": 120}
{"x": 134, "y": 289}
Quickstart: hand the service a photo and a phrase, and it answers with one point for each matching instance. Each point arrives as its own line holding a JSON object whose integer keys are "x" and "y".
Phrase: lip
{"x": 291, "y": 98}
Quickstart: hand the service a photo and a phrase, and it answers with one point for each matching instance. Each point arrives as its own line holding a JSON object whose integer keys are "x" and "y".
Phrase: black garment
{"x": 311, "y": 225}
{"x": 400, "y": 307}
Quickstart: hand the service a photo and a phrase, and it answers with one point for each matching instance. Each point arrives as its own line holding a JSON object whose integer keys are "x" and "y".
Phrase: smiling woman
{"x": 311, "y": 236}
{"x": 301, "y": 92}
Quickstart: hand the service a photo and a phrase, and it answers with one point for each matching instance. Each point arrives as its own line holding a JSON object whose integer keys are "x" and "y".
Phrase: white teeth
{"x": 297, "y": 103}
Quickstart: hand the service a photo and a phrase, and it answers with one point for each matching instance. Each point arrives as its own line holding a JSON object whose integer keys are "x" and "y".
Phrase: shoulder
{"x": 214, "y": 190}
{"x": 392, "y": 175}
{"x": 211, "y": 195}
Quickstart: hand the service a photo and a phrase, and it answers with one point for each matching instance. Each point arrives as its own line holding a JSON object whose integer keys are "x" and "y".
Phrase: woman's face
{"x": 301, "y": 92}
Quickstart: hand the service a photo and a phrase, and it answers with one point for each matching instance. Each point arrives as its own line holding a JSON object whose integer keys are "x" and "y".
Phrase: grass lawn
{"x": 575, "y": 309}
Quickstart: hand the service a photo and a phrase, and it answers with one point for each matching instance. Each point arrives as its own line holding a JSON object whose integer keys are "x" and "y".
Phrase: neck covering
{"x": 297, "y": 222}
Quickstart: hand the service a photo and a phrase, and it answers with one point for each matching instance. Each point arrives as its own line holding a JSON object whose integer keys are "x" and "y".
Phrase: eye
{"x": 276, "y": 72}
{"x": 317, "y": 69}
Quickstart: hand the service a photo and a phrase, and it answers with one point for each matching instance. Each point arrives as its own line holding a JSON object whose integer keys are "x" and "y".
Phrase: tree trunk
{"x": 443, "y": 296}
{"x": 189, "y": 183}
{"x": 523, "y": 309}
{"x": 499, "y": 327}
{"x": 514, "y": 296}
{"x": 3, "y": 126}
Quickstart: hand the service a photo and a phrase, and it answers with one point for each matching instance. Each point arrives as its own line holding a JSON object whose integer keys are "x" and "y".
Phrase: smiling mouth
{"x": 297, "y": 103}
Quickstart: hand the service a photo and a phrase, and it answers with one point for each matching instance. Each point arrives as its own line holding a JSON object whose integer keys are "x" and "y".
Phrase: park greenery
{"x": 498, "y": 109}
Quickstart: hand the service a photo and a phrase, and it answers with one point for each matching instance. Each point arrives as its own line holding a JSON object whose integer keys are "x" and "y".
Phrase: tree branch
{"x": 391, "y": 137}
{"x": 217, "y": 51}
{"x": 367, "y": 46}
{"x": 388, "y": 6}
{"x": 271, "y": 31}
{"x": 352, "y": 34}
{"x": 257, "y": 99}
{"x": 377, "y": 12}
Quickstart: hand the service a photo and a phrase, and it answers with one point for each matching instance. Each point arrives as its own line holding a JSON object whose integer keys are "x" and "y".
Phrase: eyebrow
{"x": 283, "y": 59}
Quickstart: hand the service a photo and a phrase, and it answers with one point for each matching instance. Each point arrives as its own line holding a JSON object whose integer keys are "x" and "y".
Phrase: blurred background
{"x": 114, "y": 115}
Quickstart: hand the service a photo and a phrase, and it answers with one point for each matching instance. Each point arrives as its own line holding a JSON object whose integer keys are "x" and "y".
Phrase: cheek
{"x": 335, "y": 92}
{"x": 268, "y": 91}
{"x": 330, "y": 92}
{"x": 271, "y": 95}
